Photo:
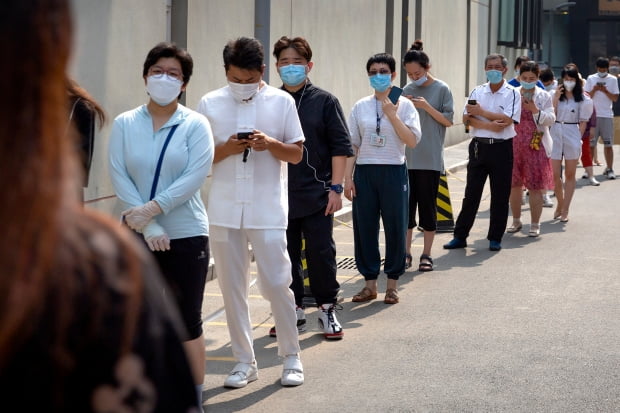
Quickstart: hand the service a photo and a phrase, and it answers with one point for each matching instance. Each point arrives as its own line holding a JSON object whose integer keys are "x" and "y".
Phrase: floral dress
{"x": 531, "y": 167}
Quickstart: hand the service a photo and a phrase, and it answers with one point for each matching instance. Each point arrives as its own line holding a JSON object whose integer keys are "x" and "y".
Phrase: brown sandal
{"x": 365, "y": 295}
{"x": 391, "y": 296}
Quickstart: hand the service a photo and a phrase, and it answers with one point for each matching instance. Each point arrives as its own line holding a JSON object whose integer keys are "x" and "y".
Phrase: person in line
{"x": 314, "y": 185}
{"x": 257, "y": 133}
{"x": 531, "y": 149}
{"x": 573, "y": 108}
{"x": 159, "y": 156}
{"x": 84, "y": 114}
{"x": 614, "y": 71}
{"x": 515, "y": 81}
{"x": 433, "y": 100}
{"x": 550, "y": 83}
{"x": 80, "y": 300}
{"x": 603, "y": 90}
{"x": 492, "y": 117}
{"x": 376, "y": 179}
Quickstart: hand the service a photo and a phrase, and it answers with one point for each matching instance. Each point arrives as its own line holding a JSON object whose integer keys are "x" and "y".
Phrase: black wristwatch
{"x": 337, "y": 188}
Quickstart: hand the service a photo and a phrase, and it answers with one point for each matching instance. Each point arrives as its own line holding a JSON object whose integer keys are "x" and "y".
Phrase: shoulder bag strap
{"x": 161, "y": 159}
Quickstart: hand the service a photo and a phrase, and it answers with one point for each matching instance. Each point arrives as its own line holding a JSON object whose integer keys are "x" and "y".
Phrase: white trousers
{"x": 232, "y": 261}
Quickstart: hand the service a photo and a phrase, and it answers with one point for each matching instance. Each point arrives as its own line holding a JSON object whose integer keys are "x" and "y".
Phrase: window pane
{"x": 507, "y": 10}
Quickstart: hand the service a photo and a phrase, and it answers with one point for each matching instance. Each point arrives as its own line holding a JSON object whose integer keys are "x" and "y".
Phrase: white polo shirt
{"x": 250, "y": 194}
{"x": 506, "y": 100}
{"x": 602, "y": 103}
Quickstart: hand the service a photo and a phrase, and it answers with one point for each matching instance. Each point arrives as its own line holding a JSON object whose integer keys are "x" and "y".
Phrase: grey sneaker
{"x": 301, "y": 322}
{"x": 241, "y": 375}
{"x": 611, "y": 174}
{"x": 547, "y": 202}
{"x": 332, "y": 330}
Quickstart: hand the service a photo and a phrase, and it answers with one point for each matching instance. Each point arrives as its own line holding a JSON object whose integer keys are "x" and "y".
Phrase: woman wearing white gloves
{"x": 159, "y": 157}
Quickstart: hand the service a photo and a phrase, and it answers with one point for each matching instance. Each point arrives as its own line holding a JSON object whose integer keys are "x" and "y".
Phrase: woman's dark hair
{"x": 578, "y": 90}
{"x": 75, "y": 91}
{"x": 54, "y": 254}
{"x": 300, "y": 45}
{"x": 386, "y": 58}
{"x": 520, "y": 60}
{"x": 165, "y": 49}
{"x": 416, "y": 55}
{"x": 245, "y": 53}
{"x": 529, "y": 66}
{"x": 546, "y": 75}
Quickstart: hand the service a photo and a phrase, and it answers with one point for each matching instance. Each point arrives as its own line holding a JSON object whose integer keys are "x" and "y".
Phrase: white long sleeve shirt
{"x": 134, "y": 150}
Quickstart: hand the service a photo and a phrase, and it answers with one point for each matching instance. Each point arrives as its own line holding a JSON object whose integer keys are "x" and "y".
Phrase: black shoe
{"x": 455, "y": 243}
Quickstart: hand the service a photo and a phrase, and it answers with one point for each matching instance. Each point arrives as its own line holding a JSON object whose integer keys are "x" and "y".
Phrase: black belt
{"x": 490, "y": 141}
{"x": 567, "y": 123}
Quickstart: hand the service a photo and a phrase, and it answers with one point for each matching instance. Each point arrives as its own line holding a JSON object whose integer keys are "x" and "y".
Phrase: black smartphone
{"x": 243, "y": 135}
{"x": 471, "y": 102}
{"x": 395, "y": 93}
{"x": 600, "y": 83}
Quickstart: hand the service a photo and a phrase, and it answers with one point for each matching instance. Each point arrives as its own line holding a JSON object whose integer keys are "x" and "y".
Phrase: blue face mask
{"x": 528, "y": 85}
{"x": 602, "y": 74}
{"x": 420, "y": 81}
{"x": 549, "y": 87}
{"x": 494, "y": 76}
{"x": 380, "y": 82}
{"x": 293, "y": 75}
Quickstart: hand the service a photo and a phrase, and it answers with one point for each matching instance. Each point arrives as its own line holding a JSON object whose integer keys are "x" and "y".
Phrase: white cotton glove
{"x": 155, "y": 237}
{"x": 137, "y": 217}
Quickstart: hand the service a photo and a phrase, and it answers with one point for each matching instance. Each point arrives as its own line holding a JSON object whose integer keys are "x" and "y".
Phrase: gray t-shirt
{"x": 428, "y": 153}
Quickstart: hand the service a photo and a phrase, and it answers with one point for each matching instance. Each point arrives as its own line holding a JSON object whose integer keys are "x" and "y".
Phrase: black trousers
{"x": 493, "y": 161}
{"x": 320, "y": 250}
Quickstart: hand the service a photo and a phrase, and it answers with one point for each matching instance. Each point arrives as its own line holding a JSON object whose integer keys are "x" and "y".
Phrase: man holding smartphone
{"x": 603, "y": 89}
{"x": 314, "y": 185}
{"x": 248, "y": 203}
{"x": 491, "y": 121}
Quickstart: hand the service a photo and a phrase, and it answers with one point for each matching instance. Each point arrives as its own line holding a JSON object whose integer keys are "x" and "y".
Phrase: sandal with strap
{"x": 408, "y": 260}
{"x": 365, "y": 295}
{"x": 425, "y": 266}
{"x": 391, "y": 296}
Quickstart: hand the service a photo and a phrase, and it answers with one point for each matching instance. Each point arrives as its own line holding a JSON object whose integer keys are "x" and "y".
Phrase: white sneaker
{"x": 292, "y": 371}
{"x": 241, "y": 375}
{"x": 332, "y": 330}
{"x": 547, "y": 202}
{"x": 584, "y": 176}
{"x": 611, "y": 174}
{"x": 593, "y": 181}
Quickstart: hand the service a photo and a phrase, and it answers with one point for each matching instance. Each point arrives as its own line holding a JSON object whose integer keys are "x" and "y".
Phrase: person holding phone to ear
{"x": 433, "y": 100}
{"x": 376, "y": 178}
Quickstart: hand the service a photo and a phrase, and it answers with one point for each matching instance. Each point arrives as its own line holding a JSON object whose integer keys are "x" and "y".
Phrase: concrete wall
{"x": 113, "y": 37}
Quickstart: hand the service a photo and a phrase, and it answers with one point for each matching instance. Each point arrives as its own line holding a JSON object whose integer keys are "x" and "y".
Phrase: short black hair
{"x": 244, "y": 53}
{"x": 166, "y": 49}
{"x": 546, "y": 75}
{"x": 602, "y": 62}
{"x": 386, "y": 58}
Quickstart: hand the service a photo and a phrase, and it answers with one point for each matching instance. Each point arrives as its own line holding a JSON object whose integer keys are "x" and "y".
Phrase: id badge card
{"x": 377, "y": 140}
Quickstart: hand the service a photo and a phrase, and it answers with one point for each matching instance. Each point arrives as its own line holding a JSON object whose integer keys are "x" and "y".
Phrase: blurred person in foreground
{"x": 80, "y": 301}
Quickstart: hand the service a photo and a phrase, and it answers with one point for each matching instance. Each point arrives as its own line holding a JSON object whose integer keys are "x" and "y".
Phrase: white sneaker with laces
{"x": 241, "y": 375}
{"x": 292, "y": 371}
{"x": 332, "y": 330}
{"x": 593, "y": 181}
{"x": 547, "y": 202}
{"x": 611, "y": 174}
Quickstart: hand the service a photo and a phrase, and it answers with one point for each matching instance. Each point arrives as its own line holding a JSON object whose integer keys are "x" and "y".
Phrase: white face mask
{"x": 163, "y": 89}
{"x": 243, "y": 92}
{"x": 569, "y": 85}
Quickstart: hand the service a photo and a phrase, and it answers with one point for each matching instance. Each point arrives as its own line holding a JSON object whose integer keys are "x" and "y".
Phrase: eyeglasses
{"x": 158, "y": 72}
{"x": 382, "y": 72}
